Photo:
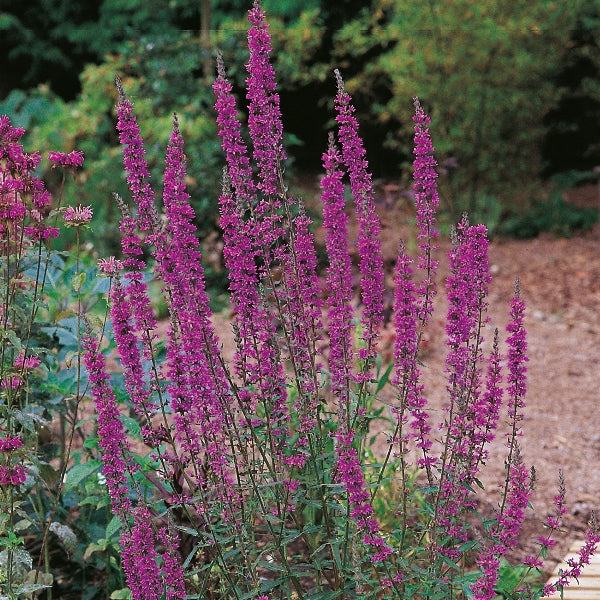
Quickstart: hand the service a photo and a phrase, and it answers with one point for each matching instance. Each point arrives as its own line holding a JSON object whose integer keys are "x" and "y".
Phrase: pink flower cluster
{"x": 12, "y": 475}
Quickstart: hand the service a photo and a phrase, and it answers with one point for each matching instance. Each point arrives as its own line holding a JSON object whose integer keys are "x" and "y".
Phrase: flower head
{"x": 80, "y": 215}
{"x": 10, "y": 443}
{"x": 70, "y": 160}
{"x": 109, "y": 267}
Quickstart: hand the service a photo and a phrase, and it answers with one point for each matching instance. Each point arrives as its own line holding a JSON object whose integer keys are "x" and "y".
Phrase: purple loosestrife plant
{"x": 426, "y": 202}
{"x": 369, "y": 245}
{"x": 263, "y": 467}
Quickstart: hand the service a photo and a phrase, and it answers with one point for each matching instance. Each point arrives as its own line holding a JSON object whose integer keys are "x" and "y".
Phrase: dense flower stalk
{"x": 247, "y": 242}
{"x": 146, "y": 220}
{"x": 467, "y": 290}
{"x": 111, "y": 431}
{"x": 171, "y": 563}
{"x": 236, "y": 151}
{"x": 426, "y": 201}
{"x": 129, "y": 352}
{"x": 407, "y": 373}
{"x": 369, "y": 245}
{"x": 487, "y": 409}
{"x": 288, "y": 266}
{"x": 264, "y": 117}
{"x": 135, "y": 162}
{"x": 140, "y": 558}
{"x": 339, "y": 275}
{"x": 506, "y": 531}
{"x": 199, "y": 390}
{"x": 517, "y": 357}
{"x": 350, "y": 473}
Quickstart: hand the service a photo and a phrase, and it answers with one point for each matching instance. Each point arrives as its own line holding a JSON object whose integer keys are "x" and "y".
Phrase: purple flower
{"x": 75, "y": 217}
{"x": 140, "y": 559}
{"x": 339, "y": 276}
{"x": 369, "y": 245}
{"x": 110, "y": 266}
{"x": 70, "y": 160}
{"x": 506, "y": 531}
{"x": 135, "y": 162}
{"x": 406, "y": 346}
{"x": 111, "y": 432}
{"x": 10, "y": 443}
{"x": 349, "y": 472}
{"x": 264, "y": 117}
{"x": 12, "y": 475}
{"x": 171, "y": 563}
{"x": 426, "y": 201}
{"x": 127, "y": 344}
{"x": 517, "y": 357}
{"x": 198, "y": 388}
{"x": 236, "y": 152}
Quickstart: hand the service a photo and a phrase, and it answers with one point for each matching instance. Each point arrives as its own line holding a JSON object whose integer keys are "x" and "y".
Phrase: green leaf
{"x": 12, "y": 337}
{"x": 384, "y": 379}
{"x": 78, "y": 473}
{"x": 122, "y": 594}
{"x": 114, "y": 526}
{"x": 78, "y": 280}
{"x": 131, "y": 425}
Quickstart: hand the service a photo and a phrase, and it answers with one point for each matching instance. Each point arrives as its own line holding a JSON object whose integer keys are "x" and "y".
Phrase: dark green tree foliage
{"x": 572, "y": 142}
{"x": 36, "y": 43}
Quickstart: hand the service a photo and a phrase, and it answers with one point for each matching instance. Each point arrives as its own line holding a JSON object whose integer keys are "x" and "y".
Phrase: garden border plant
{"x": 255, "y": 479}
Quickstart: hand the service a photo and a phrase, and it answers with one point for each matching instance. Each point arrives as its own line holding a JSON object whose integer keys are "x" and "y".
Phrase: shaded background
{"x": 512, "y": 86}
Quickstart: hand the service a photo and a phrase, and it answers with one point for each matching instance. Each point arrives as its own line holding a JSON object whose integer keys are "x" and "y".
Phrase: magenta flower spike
{"x": 264, "y": 118}
{"x": 505, "y": 532}
{"x": 339, "y": 276}
{"x": 139, "y": 557}
{"x": 145, "y": 221}
{"x": 517, "y": 357}
{"x": 407, "y": 373}
{"x": 171, "y": 563}
{"x": 369, "y": 245}
{"x": 198, "y": 388}
{"x": 111, "y": 431}
{"x": 129, "y": 352}
{"x": 426, "y": 202}
{"x": 135, "y": 162}
{"x": 251, "y": 318}
{"x": 349, "y": 472}
{"x": 236, "y": 152}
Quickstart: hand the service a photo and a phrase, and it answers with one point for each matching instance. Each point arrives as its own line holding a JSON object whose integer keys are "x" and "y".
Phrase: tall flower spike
{"x": 111, "y": 432}
{"x": 257, "y": 357}
{"x": 129, "y": 352}
{"x": 134, "y": 160}
{"x": 369, "y": 245}
{"x": 426, "y": 201}
{"x": 264, "y": 117}
{"x": 139, "y": 558}
{"x": 146, "y": 220}
{"x": 199, "y": 391}
{"x": 407, "y": 373}
{"x": 339, "y": 275}
{"x": 467, "y": 291}
{"x": 236, "y": 152}
{"x": 517, "y": 357}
